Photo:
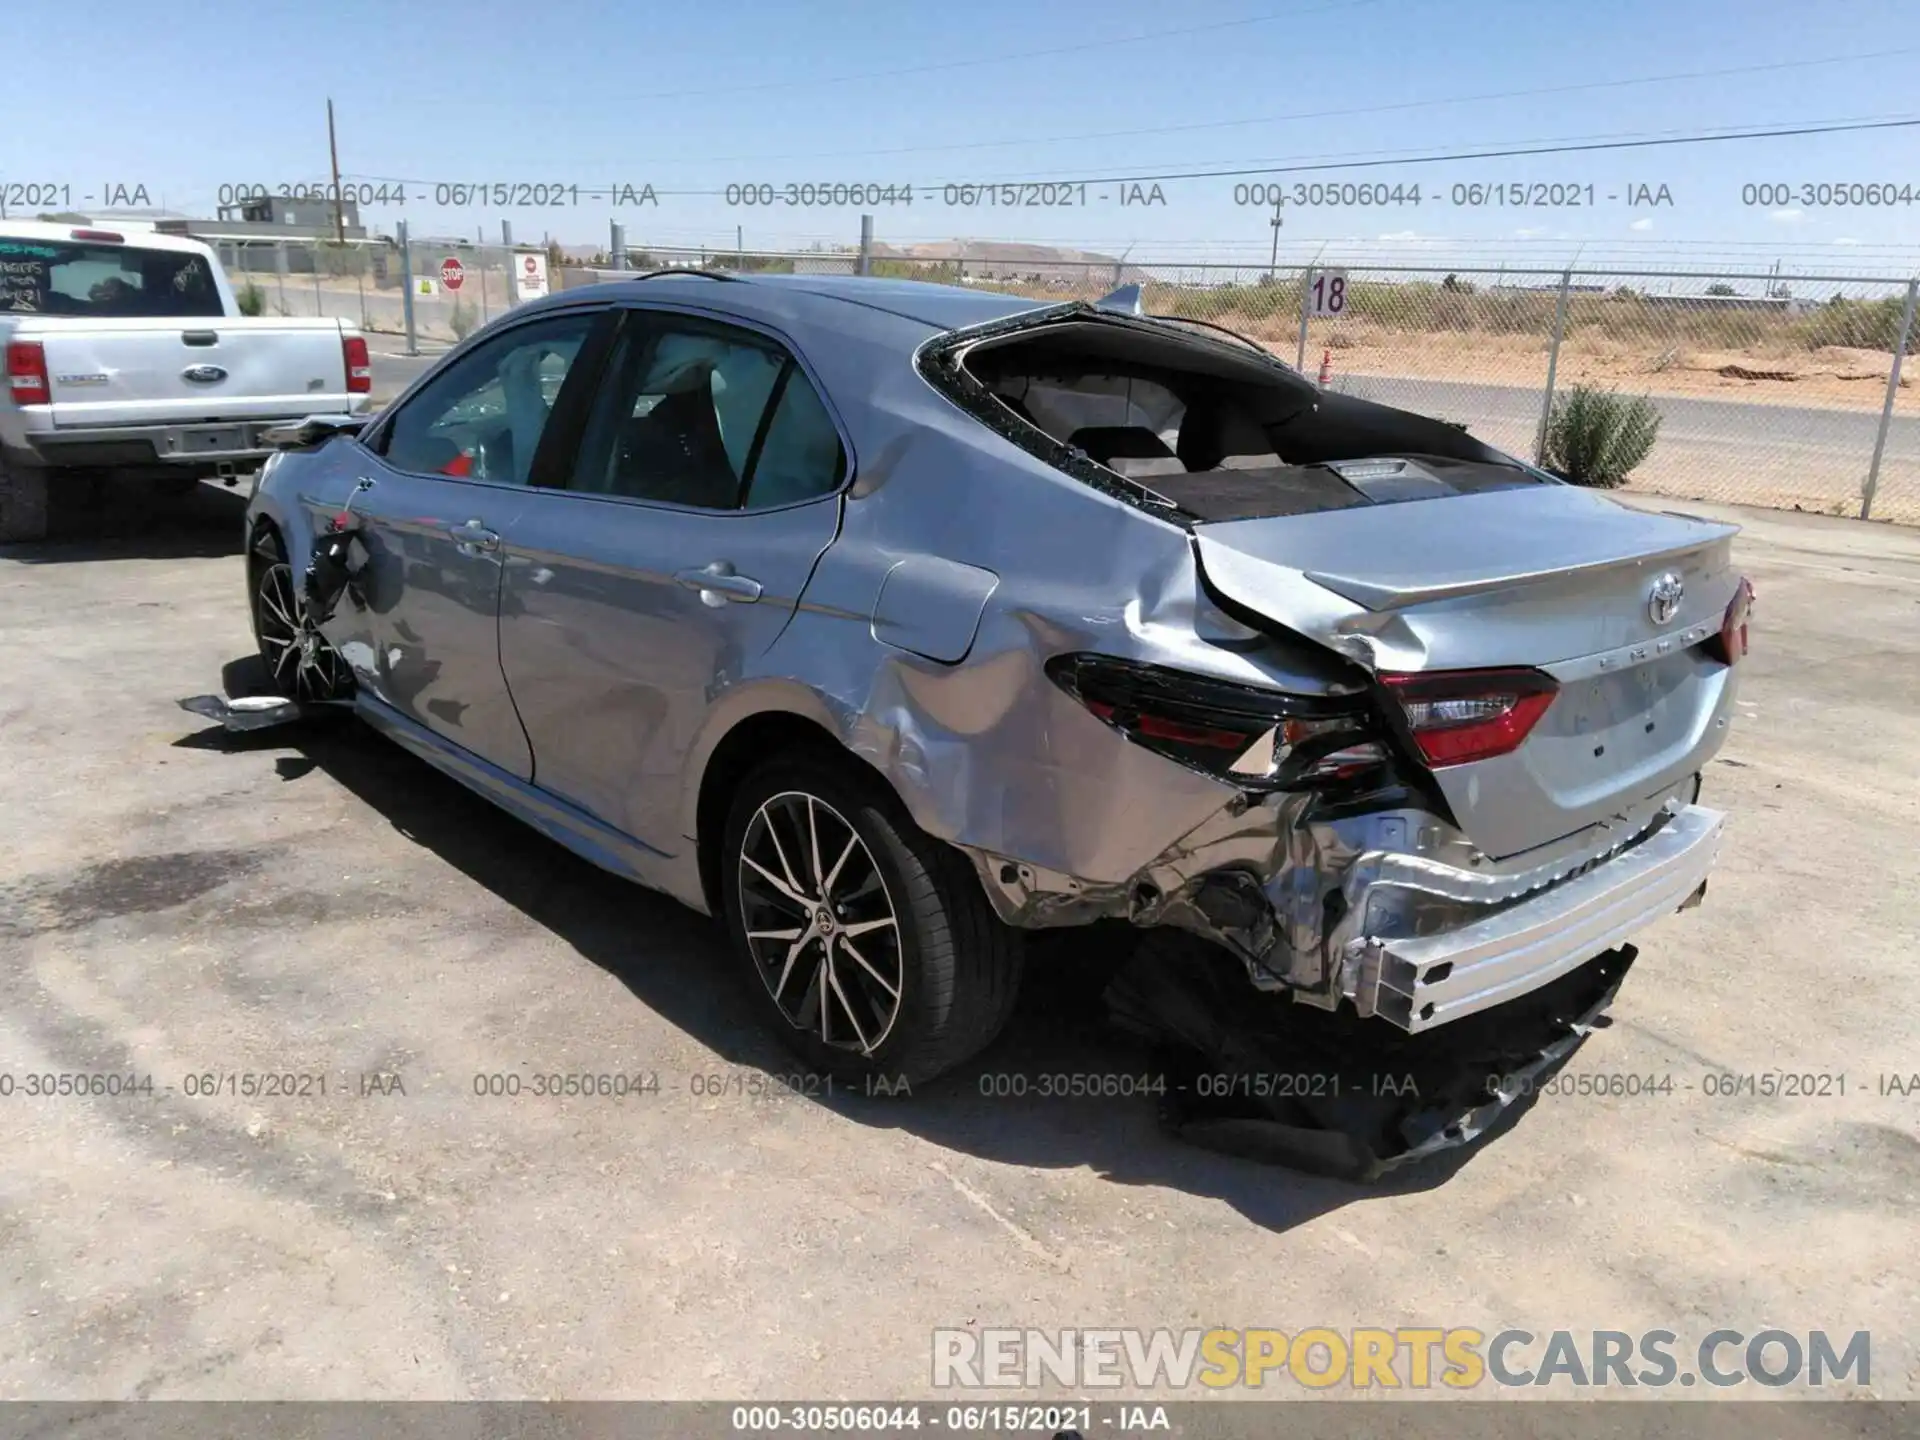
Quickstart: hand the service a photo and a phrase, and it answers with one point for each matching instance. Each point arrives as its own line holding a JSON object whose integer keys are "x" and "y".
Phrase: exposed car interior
{"x": 1222, "y": 433}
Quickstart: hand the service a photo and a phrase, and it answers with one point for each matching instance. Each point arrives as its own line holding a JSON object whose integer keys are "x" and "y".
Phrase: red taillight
{"x": 1255, "y": 738}
{"x": 359, "y": 365}
{"x": 112, "y": 237}
{"x": 1462, "y": 715}
{"x": 27, "y": 373}
{"x": 1731, "y": 643}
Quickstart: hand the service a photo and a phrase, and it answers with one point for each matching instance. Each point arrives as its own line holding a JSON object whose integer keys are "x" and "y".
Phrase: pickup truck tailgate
{"x": 162, "y": 370}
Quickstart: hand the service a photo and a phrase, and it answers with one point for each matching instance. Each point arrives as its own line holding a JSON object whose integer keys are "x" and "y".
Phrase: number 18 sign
{"x": 1327, "y": 293}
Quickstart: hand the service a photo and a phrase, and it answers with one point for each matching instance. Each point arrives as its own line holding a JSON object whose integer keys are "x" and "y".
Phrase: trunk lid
{"x": 1553, "y": 578}
{"x": 165, "y": 370}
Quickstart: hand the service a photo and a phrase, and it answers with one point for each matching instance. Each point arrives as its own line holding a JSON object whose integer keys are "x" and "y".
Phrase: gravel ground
{"x": 178, "y": 903}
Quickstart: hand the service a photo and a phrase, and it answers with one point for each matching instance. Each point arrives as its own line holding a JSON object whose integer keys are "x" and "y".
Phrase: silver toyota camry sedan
{"x": 888, "y": 621}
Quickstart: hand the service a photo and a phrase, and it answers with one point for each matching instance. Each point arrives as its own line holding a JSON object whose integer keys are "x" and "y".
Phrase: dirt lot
{"x": 1831, "y": 377}
{"x": 179, "y": 904}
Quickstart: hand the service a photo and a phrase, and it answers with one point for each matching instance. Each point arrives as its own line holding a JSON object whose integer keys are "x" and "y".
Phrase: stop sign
{"x": 452, "y": 273}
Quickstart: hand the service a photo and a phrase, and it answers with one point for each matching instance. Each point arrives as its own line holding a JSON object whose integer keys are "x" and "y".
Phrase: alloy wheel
{"x": 305, "y": 667}
{"x": 820, "y": 922}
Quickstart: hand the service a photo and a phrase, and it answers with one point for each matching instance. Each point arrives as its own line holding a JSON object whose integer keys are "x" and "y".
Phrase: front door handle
{"x": 717, "y": 584}
{"x": 473, "y": 538}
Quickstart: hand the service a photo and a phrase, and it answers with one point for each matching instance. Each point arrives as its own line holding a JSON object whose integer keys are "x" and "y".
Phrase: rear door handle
{"x": 473, "y": 538}
{"x": 718, "y": 584}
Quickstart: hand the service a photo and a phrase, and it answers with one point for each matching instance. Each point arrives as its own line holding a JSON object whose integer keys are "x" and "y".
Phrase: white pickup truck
{"x": 127, "y": 354}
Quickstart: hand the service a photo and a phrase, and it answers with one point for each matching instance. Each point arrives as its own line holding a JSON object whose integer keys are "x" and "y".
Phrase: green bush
{"x": 251, "y": 299}
{"x": 1597, "y": 437}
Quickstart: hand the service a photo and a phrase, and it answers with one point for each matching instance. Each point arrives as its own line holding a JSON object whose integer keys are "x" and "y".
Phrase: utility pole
{"x": 1273, "y": 262}
{"x": 333, "y": 151}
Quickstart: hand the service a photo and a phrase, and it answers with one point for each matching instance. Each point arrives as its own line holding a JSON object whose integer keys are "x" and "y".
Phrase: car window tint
{"x": 677, "y": 417}
{"x": 801, "y": 456}
{"x": 481, "y": 418}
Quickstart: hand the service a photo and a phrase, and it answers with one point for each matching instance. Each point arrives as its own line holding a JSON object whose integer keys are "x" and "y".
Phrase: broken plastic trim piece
{"x": 314, "y": 430}
{"x": 1334, "y": 1094}
{"x": 252, "y": 712}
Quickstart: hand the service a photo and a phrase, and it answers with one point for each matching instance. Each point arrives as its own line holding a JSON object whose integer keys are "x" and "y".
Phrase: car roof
{"x": 940, "y": 307}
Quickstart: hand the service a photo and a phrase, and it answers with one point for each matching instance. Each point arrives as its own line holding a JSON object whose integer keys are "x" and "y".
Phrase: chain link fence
{"x": 436, "y": 291}
{"x": 1769, "y": 390}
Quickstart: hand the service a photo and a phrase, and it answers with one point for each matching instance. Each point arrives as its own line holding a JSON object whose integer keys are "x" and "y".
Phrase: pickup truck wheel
{"x": 23, "y": 503}
{"x": 869, "y": 945}
{"x": 300, "y": 662}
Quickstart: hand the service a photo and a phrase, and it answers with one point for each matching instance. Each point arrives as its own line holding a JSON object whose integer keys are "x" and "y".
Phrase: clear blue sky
{"x": 690, "y": 98}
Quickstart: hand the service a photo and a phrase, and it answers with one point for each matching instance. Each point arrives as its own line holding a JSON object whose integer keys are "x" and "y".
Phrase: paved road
{"x": 1726, "y": 423}
{"x": 393, "y": 368}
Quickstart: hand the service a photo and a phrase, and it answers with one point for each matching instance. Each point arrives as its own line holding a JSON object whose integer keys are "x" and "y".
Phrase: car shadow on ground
{"x": 115, "y": 520}
{"x": 676, "y": 963}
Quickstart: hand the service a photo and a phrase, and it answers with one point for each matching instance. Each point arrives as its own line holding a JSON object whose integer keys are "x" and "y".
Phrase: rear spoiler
{"x": 314, "y": 431}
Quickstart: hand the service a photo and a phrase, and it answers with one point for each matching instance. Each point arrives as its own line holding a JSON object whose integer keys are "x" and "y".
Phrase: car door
{"x": 443, "y": 477}
{"x": 705, "y": 487}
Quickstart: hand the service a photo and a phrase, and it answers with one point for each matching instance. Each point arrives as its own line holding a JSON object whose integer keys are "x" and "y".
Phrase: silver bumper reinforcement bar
{"x": 1418, "y": 983}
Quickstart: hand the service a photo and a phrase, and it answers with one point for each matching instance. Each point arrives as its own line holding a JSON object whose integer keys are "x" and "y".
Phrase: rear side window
{"x": 801, "y": 456}
{"x": 697, "y": 413}
{"x": 107, "y": 282}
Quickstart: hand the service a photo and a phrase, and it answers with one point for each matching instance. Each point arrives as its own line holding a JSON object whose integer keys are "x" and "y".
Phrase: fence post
{"x": 280, "y": 273}
{"x": 1553, "y": 365}
{"x": 865, "y": 267}
{"x": 406, "y": 286}
{"x": 506, "y": 263}
{"x": 1306, "y": 290}
{"x": 617, "y": 244}
{"x": 1886, "y": 410}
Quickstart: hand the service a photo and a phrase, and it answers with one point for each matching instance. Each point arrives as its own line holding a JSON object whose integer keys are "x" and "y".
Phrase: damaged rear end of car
{"x": 1459, "y": 758}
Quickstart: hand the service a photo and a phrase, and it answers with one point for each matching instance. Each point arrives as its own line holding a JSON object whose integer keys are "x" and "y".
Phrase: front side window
{"x": 482, "y": 417}
{"x": 700, "y": 414}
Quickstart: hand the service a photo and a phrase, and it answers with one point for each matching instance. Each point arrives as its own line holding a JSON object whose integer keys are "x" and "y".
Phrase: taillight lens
{"x": 27, "y": 373}
{"x": 359, "y": 365}
{"x": 1730, "y": 645}
{"x": 1247, "y": 736}
{"x": 1457, "y": 716}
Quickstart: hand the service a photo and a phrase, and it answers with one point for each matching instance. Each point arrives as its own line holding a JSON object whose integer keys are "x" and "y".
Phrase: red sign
{"x": 452, "y": 273}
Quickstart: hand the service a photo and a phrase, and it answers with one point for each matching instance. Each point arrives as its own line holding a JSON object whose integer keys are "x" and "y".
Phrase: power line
{"x": 1261, "y": 168}
{"x": 1352, "y": 160}
{"x": 1341, "y": 113}
{"x": 946, "y": 65}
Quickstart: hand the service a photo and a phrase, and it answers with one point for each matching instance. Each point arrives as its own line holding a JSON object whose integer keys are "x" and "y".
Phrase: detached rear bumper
{"x": 1423, "y": 981}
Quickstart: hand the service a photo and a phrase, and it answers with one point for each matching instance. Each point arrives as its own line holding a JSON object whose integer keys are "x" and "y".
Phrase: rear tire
{"x": 879, "y": 959}
{"x": 23, "y": 503}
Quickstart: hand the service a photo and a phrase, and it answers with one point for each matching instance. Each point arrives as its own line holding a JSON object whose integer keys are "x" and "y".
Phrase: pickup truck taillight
{"x": 359, "y": 366}
{"x": 27, "y": 373}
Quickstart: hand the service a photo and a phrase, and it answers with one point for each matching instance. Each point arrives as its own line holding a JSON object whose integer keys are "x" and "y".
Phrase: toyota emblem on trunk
{"x": 203, "y": 374}
{"x": 1663, "y": 601}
